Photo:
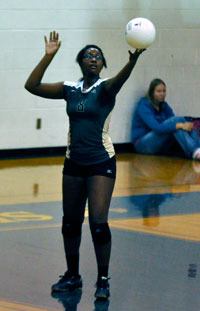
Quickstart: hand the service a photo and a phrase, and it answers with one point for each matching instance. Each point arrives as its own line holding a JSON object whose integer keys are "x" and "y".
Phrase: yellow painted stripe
{"x": 185, "y": 227}
{"x": 7, "y": 229}
{"x": 13, "y": 306}
{"x": 21, "y": 216}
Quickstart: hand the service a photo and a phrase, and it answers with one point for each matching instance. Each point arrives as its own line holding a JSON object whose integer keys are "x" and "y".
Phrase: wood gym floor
{"x": 155, "y": 222}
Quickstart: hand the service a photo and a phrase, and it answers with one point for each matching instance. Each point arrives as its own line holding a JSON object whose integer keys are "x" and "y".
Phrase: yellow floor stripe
{"x": 7, "y": 229}
{"x": 185, "y": 227}
{"x": 21, "y": 216}
{"x": 13, "y": 306}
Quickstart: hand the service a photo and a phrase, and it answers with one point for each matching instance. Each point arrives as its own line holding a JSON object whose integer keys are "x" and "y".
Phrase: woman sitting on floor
{"x": 155, "y": 126}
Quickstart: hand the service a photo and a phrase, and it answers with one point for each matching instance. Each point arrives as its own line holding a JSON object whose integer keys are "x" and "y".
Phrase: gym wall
{"x": 27, "y": 121}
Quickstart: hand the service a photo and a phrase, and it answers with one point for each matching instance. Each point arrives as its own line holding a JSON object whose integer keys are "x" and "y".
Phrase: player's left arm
{"x": 114, "y": 84}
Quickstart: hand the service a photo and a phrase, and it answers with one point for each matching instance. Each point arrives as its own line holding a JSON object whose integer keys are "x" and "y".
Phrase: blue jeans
{"x": 154, "y": 143}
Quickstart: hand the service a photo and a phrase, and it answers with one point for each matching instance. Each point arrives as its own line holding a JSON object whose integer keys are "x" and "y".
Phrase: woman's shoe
{"x": 67, "y": 282}
{"x": 102, "y": 291}
{"x": 196, "y": 154}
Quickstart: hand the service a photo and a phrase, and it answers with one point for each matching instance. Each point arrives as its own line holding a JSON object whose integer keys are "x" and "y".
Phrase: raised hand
{"x": 136, "y": 54}
{"x": 53, "y": 45}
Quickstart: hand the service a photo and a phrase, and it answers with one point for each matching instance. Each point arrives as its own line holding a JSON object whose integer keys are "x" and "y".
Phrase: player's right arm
{"x": 114, "y": 84}
{"x": 33, "y": 83}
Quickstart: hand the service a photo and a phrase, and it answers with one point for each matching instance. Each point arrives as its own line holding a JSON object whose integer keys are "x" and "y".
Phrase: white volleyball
{"x": 140, "y": 33}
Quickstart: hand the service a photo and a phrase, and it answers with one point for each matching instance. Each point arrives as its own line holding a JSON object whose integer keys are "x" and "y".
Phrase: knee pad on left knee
{"x": 71, "y": 230}
{"x": 100, "y": 233}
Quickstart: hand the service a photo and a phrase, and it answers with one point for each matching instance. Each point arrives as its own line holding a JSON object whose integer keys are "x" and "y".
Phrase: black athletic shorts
{"x": 106, "y": 168}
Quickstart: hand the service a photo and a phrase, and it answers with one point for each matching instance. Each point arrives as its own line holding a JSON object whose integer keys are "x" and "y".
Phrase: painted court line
{"x": 184, "y": 227}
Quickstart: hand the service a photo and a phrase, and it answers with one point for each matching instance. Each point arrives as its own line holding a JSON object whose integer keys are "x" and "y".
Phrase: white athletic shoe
{"x": 196, "y": 154}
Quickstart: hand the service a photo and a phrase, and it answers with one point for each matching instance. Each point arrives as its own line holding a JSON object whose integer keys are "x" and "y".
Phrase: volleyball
{"x": 140, "y": 33}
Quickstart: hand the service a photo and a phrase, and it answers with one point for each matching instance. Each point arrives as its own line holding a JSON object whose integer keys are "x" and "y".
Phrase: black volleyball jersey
{"x": 89, "y": 117}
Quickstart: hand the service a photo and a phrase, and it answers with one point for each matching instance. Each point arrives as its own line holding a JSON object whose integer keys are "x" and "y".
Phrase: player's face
{"x": 159, "y": 93}
{"x": 92, "y": 61}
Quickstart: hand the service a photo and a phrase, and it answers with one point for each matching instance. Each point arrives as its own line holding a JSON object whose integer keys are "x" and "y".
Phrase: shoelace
{"x": 105, "y": 278}
{"x": 66, "y": 275}
{"x": 103, "y": 281}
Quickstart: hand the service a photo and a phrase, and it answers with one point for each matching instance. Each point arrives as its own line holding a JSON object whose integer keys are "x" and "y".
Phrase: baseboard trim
{"x": 51, "y": 151}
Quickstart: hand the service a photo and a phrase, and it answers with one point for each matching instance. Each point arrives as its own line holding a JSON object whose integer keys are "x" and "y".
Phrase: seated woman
{"x": 155, "y": 125}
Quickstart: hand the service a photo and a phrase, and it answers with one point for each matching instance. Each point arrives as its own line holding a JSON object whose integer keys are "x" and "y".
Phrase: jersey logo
{"x": 109, "y": 172}
{"x": 81, "y": 107}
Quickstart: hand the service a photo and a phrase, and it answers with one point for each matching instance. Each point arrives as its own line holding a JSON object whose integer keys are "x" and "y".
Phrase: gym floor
{"x": 155, "y": 222}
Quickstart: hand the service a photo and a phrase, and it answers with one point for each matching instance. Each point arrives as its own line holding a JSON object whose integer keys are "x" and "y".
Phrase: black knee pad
{"x": 71, "y": 230}
{"x": 100, "y": 233}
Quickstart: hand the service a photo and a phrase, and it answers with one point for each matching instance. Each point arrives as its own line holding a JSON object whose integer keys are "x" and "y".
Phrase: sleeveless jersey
{"x": 89, "y": 117}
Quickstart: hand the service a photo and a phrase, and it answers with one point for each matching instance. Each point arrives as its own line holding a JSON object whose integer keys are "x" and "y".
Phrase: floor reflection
{"x": 69, "y": 299}
{"x": 149, "y": 205}
{"x": 101, "y": 305}
{"x": 142, "y": 174}
{"x": 154, "y": 216}
{"x": 39, "y": 180}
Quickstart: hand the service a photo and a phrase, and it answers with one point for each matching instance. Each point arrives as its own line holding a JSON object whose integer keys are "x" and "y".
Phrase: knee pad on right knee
{"x": 71, "y": 230}
{"x": 100, "y": 233}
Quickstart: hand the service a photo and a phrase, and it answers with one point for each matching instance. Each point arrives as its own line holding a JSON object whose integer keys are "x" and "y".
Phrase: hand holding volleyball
{"x": 134, "y": 56}
{"x": 140, "y": 33}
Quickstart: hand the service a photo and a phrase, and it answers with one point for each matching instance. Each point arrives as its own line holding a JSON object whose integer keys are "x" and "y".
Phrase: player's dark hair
{"x": 79, "y": 57}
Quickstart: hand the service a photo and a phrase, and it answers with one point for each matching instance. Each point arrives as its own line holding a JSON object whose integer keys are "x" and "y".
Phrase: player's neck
{"x": 88, "y": 81}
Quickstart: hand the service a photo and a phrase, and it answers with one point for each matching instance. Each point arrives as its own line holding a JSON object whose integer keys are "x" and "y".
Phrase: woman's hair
{"x": 79, "y": 57}
{"x": 152, "y": 86}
